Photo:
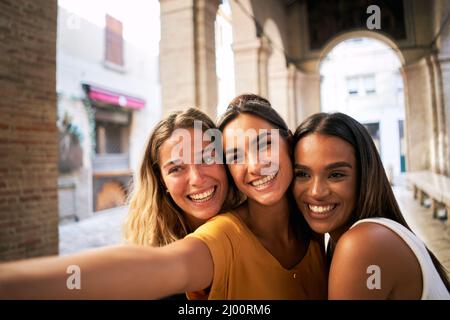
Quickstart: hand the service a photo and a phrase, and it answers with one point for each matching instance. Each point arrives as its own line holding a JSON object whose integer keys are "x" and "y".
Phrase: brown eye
{"x": 301, "y": 174}
{"x": 174, "y": 169}
{"x": 337, "y": 175}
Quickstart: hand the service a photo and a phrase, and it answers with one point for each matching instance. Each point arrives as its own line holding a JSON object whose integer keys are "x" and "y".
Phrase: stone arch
{"x": 423, "y": 101}
{"x": 332, "y": 43}
{"x": 244, "y": 28}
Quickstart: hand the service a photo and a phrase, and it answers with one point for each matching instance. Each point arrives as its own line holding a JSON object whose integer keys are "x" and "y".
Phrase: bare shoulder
{"x": 371, "y": 248}
{"x": 374, "y": 240}
{"x": 370, "y": 235}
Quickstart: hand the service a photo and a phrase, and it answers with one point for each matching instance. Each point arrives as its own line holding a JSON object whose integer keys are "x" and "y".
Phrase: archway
{"x": 361, "y": 77}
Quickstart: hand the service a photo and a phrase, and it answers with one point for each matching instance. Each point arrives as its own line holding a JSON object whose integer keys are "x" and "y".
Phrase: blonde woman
{"x": 169, "y": 200}
{"x": 162, "y": 205}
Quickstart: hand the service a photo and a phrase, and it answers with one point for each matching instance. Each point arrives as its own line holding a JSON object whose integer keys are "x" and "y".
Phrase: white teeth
{"x": 321, "y": 209}
{"x": 264, "y": 180}
{"x": 202, "y": 196}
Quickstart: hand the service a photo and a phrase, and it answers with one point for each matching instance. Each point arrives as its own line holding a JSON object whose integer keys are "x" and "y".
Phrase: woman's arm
{"x": 371, "y": 262}
{"x": 119, "y": 272}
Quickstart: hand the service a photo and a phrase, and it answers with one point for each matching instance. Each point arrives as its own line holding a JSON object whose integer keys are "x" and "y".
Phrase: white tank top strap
{"x": 433, "y": 287}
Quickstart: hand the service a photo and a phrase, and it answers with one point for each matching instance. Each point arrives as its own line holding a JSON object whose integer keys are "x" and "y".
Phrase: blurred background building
{"x": 108, "y": 100}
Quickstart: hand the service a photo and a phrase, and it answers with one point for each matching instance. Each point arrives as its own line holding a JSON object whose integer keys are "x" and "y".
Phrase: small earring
{"x": 167, "y": 191}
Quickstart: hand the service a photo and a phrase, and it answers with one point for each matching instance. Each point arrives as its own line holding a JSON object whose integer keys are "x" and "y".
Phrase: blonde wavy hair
{"x": 153, "y": 217}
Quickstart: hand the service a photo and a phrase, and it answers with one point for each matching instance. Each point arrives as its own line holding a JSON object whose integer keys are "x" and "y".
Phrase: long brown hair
{"x": 153, "y": 217}
{"x": 261, "y": 107}
{"x": 375, "y": 197}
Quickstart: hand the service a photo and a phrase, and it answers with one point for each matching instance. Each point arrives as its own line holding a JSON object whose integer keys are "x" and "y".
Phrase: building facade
{"x": 108, "y": 101}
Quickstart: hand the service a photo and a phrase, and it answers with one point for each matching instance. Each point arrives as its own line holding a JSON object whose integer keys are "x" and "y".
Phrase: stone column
{"x": 308, "y": 100}
{"x": 250, "y": 65}
{"x": 187, "y": 55}
{"x": 207, "y": 95}
{"x": 440, "y": 129}
{"x": 445, "y": 76}
{"x": 441, "y": 9}
{"x": 419, "y": 125}
{"x": 292, "y": 107}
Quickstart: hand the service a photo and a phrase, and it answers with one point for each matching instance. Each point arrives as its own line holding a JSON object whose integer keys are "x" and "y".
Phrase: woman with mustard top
{"x": 261, "y": 250}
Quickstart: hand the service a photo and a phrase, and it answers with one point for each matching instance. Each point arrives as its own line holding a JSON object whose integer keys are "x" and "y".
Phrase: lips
{"x": 204, "y": 196}
{"x": 264, "y": 182}
{"x": 320, "y": 212}
{"x": 321, "y": 209}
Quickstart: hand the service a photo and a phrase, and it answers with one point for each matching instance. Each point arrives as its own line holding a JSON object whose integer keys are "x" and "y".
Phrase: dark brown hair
{"x": 375, "y": 197}
{"x": 261, "y": 107}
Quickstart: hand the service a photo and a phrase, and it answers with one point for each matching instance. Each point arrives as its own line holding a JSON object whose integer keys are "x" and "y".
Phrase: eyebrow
{"x": 171, "y": 163}
{"x": 331, "y": 166}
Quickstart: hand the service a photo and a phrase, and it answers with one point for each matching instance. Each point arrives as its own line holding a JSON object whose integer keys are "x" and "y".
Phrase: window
{"x": 374, "y": 131}
{"x": 112, "y": 132}
{"x": 352, "y": 86}
{"x": 362, "y": 85}
{"x": 113, "y": 42}
{"x": 369, "y": 84}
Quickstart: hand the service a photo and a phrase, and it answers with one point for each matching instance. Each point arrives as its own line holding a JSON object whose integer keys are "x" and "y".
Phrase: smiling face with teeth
{"x": 263, "y": 181}
{"x": 325, "y": 182}
{"x": 198, "y": 189}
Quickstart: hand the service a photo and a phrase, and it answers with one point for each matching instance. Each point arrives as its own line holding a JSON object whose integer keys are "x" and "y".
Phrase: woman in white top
{"x": 342, "y": 189}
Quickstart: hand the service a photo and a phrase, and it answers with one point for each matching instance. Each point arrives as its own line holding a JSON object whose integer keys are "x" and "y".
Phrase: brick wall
{"x": 28, "y": 136}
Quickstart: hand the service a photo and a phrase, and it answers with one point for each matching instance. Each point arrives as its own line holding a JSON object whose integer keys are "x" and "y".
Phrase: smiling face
{"x": 198, "y": 189}
{"x": 325, "y": 182}
{"x": 262, "y": 179}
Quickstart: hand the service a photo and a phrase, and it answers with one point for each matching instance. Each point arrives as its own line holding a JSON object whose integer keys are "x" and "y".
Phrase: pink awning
{"x": 110, "y": 97}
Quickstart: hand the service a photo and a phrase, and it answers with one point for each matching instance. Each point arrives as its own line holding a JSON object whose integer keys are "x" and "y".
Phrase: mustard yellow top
{"x": 244, "y": 269}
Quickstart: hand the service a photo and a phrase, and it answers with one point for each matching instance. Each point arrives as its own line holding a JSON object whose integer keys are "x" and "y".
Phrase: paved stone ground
{"x": 105, "y": 228}
{"x": 434, "y": 232}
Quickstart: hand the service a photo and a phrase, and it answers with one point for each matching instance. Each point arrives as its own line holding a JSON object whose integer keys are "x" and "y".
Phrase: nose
{"x": 196, "y": 176}
{"x": 319, "y": 189}
{"x": 256, "y": 164}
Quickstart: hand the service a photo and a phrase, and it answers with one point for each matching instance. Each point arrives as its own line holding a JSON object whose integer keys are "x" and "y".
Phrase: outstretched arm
{"x": 119, "y": 272}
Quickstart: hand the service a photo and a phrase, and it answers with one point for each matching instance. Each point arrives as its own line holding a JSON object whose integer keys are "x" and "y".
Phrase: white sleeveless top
{"x": 432, "y": 287}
